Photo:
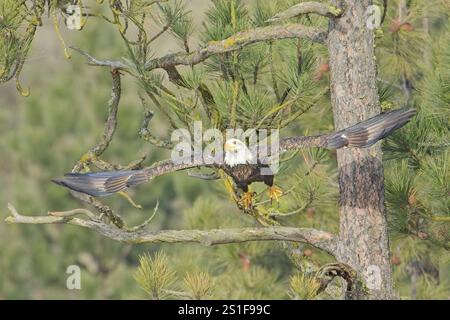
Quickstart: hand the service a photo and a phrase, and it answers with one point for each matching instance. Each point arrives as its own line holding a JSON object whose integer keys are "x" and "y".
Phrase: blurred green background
{"x": 41, "y": 138}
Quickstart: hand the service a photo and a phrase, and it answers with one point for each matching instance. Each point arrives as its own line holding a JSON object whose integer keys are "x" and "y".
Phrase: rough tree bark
{"x": 354, "y": 96}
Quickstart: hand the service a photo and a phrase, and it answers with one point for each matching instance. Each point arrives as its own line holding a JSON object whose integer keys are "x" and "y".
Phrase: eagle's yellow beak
{"x": 228, "y": 147}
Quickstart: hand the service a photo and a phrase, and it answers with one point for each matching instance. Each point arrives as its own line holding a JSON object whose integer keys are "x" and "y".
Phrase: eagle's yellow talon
{"x": 275, "y": 193}
{"x": 247, "y": 200}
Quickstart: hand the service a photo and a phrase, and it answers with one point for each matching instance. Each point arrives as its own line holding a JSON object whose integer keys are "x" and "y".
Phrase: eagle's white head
{"x": 236, "y": 152}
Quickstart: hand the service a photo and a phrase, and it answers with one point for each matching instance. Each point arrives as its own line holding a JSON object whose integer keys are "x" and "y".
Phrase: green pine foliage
{"x": 417, "y": 158}
{"x": 154, "y": 275}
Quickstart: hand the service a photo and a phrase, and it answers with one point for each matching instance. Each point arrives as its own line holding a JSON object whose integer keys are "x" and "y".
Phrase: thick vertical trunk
{"x": 354, "y": 96}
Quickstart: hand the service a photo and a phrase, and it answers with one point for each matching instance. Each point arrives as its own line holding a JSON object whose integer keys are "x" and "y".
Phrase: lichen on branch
{"x": 307, "y": 8}
{"x": 320, "y": 239}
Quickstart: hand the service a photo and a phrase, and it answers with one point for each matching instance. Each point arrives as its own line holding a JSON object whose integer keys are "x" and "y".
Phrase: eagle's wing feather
{"x": 361, "y": 135}
{"x": 102, "y": 184}
{"x": 96, "y": 184}
{"x": 367, "y": 133}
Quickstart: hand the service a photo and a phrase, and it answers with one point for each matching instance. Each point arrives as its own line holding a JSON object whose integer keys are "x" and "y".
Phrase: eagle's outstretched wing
{"x": 103, "y": 184}
{"x": 361, "y": 135}
{"x": 100, "y": 184}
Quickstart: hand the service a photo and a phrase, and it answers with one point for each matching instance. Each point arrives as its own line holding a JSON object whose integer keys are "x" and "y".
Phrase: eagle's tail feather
{"x": 367, "y": 133}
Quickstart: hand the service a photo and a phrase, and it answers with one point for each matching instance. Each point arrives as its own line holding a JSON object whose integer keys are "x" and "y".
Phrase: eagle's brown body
{"x": 245, "y": 174}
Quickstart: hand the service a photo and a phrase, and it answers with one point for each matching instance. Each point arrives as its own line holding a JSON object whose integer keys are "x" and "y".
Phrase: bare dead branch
{"x": 328, "y": 272}
{"x": 110, "y": 124}
{"x": 146, "y": 222}
{"x": 72, "y": 213}
{"x": 306, "y": 8}
{"x": 106, "y": 166}
{"x": 317, "y": 238}
{"x": 113, "y": 64}
{"x": 103, "y": 209}
{"x": 160, "y": 33}
{"x": 144, "y": 130}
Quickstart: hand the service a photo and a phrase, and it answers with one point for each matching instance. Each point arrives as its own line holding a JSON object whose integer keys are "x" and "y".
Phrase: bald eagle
{"x": 241, "y": 166}
{"x": 239, "y": 163}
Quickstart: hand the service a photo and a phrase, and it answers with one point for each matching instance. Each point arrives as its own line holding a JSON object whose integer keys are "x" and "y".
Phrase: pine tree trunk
{"x": 354, "y": 96}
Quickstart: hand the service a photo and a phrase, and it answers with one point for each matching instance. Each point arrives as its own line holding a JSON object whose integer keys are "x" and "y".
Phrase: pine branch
{"x": 238, "y": 41}
{"x": 307, "y": 8}
{"x": 233, "y": 43}
{"x": 317, "y": 238}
